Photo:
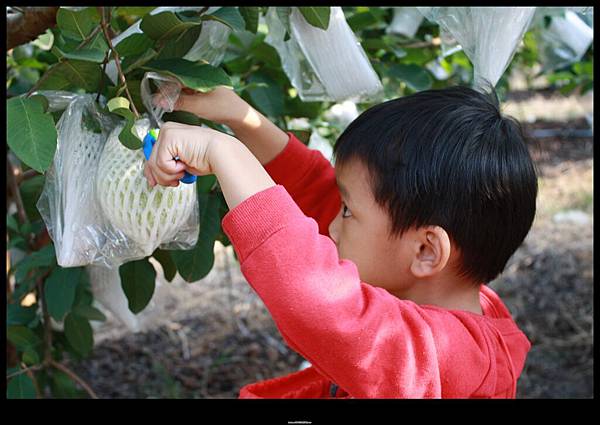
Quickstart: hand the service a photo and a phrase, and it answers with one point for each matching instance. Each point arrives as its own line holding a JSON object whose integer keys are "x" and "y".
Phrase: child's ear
{"x": 432, "y": 251}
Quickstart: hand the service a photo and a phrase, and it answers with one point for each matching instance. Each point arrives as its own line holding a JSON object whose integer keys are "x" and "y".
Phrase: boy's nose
{"x": 333, "y": 229}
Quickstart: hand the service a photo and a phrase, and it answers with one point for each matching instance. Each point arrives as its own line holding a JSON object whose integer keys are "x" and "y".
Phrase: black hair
{"x": 449, "y": 158}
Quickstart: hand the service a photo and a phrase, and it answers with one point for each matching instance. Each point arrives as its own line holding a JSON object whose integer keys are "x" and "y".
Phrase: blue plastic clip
{"x": 149, "y": 141}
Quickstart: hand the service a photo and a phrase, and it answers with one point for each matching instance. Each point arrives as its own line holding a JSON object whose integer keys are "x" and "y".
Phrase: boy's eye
{"x": 345, "y": 210}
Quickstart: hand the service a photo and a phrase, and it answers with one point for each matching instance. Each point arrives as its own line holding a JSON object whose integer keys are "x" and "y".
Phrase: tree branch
{"x": 26, "y": 26}
{"x": 117, "y": 61}
{"x": 74, "y": 377}
{"x": 11, "y": 175}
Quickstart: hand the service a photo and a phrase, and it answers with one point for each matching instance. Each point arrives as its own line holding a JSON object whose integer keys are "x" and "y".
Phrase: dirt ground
{"x": 209, "y": 338}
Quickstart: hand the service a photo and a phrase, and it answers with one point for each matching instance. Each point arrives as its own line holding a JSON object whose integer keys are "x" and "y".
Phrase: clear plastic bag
{"x": 324, "y": 65}
{"x": 489, "y": 36}
{"x": 406, "y": 21}
{"x": 106, "y": 287}
{"x": 167, "y": 87}
{"x": 96, "y": 203}
{"x": 211, "y": 45}
{"x": 566, "y": 39}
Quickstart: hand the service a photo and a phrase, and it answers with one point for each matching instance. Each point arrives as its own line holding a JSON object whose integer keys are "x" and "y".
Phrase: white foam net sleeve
{"x": 324, "y": 65}
{"x": 96, "y": 203}
{"x": 147, "y": 217}
{"x": 406, "y": 21}
{"x": 489, "y": 36}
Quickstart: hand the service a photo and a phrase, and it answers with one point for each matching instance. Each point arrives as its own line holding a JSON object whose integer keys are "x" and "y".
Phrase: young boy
{"x": 375, "y": 270}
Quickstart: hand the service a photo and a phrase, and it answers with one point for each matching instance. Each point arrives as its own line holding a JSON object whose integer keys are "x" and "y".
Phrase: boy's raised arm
{"x": 305, "y": 173}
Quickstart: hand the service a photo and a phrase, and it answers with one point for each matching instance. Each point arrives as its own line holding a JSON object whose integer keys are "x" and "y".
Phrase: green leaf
{"x": 23, "y": 338}
{"x": 45, "y": 257}
{"x": 31, "y": 189}
{"x": 79, "y": 333}
{"x": 19, "y": 315}
{"x": 63, "y": 386}
{"x": 59, "y": 292}
{"x": 133, "y": 45}
{"x": 30, "y": 132}
{"x": 198, "y": 76}
{"x": 269, "y": 100}
{"x": 204, "y": 184}
{"x": 72, "y": 74}
{"x": 89, "y": 312}
{"x": 250, "y": 15}
{"x": 413, "y": 75}
{"x": 167, "y": 263}
{"x": 20, "y": 387}
{"x": 178, "y": 47}
{"x": 93, "y": 52}
{"x": 127, "y": 137}
{"x": 229, "y": 16}
{"x": 11, "y": 223}
{"x": 164, "y": 25}
{"x": 77, "y": 24}
{"x": 316, "y": 16}
{"x": 138, "y": 279}
{"x": 194, "y": 264}
{"x": 133, "y": 11}
{"x": 117, "y": 103}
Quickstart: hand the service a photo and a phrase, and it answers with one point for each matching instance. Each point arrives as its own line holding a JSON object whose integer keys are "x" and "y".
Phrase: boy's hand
{"x": 192, "y": 144}
{"x": 221, "y": 105}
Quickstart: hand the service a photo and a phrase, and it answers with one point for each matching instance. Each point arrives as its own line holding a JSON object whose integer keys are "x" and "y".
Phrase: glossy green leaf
{"x": 198, "y": 76}
{"x": 31, "y": 133}
{"x": 72, "y": 74}
{"x": 19, "y": 315}
{"x": 59, "y": 290}
{"x": 22, "y": 337}
{"x": 229, "y": 16}
{"x": 194, "y": 264}
{"x": 269, "y": 100}
{"x": 78, "y": 332}
{"x": 179, "y": 46}
{"x": 167, "y": 263}
{"x": 414, "y": 76}
{"x": 164, "y": 25}
{"x": 138, "y": 279}
{"x": 20, "y": 387}
{"x": 31, "y": 189}
{"x": 250, "y": 15}
{"x": 77, "y": 24}
{"x": 45, "y": 257}
{"x": 133, "y": 45}
{"x": 89, "y": 312}
{"x": 316, "y": 16}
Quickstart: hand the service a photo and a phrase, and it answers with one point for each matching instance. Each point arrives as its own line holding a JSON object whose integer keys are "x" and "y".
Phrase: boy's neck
{"x": 457, "y": 296}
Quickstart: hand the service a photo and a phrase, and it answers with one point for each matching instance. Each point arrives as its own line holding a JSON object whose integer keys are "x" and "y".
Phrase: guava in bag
{"x": 67, "y": 203}
{"x": 142, "y": 218}
{"x": 489, "y": 36}
{"x": 96, "y": 202}
{"x": 323, "y": 64}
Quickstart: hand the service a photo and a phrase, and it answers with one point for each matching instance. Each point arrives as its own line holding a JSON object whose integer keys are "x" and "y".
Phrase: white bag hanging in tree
{"x": 323, "y": 65}
{"x": 211, "y": 44}
{"x": 406, "y": 21}
{"x": 565, "y": 41}
{"x": 106, "y": 287}
{"x": 68, "y": 203}
{"x": 489, "y": 36}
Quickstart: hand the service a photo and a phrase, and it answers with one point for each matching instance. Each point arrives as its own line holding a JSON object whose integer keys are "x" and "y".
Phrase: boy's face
{"x": 361, "y": 233}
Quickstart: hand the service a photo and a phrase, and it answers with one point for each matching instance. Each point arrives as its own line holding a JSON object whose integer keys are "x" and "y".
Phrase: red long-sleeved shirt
{"x": 360, "y": 337}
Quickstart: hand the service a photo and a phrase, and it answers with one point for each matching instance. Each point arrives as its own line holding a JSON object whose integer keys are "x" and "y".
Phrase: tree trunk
{"x": 24, "y": 27}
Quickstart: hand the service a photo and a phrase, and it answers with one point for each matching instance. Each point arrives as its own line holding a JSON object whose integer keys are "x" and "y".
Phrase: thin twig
{"x": 29, "y": 373}
{"x": 89, "y": 37}
{"x": 75, "y": 377}
{"x": 117, "y": 62}
{"x": 11, "y": 171}
{"x": 26, "y": 175}
{"x": 27, "y": 369}
{"x": 101, "y": 87}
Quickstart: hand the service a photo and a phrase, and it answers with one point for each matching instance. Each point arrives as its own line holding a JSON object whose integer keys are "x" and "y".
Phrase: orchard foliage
{"x": 50, "y": 309}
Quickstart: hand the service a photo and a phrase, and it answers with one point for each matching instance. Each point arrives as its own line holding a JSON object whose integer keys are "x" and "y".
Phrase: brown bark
{"x": 24, "y": 27}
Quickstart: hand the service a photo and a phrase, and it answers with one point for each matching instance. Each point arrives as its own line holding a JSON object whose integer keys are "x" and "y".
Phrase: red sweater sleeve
{"x": 359, "y": 336}
{"x": 309, "y": 178}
